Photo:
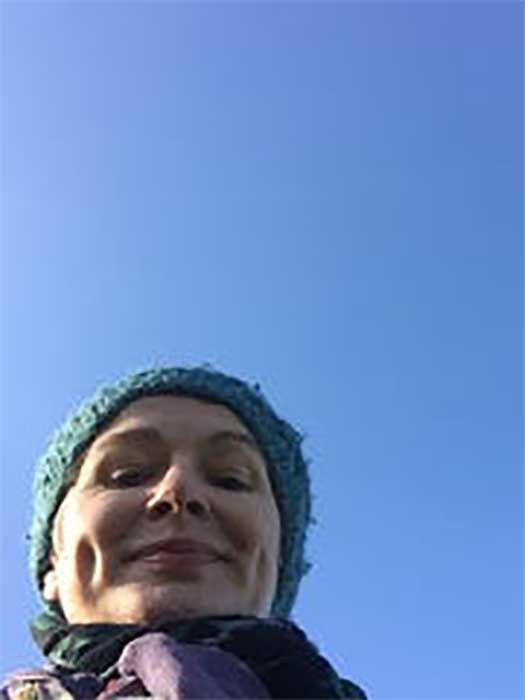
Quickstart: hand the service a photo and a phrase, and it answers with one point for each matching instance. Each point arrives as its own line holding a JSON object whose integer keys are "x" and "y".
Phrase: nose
{"x": 176, "y": 493}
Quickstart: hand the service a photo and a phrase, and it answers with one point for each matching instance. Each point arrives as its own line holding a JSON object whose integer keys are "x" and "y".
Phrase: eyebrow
{"x": 133, "y": 434}
{"x": 234, "y": 436}
{"x": 151, "y": 434}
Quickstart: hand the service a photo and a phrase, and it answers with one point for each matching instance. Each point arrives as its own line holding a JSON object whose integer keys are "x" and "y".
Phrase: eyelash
{"x": 129, "y": 477}
{"x": 232, "y": 483}
{"x": 134, "y": 476}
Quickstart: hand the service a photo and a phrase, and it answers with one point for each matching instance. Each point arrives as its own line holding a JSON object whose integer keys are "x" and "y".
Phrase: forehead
{"x": 174, "y": 418}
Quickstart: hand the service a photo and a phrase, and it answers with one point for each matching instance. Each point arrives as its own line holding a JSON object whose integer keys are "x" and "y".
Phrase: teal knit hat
{"x": 278, "y": 440}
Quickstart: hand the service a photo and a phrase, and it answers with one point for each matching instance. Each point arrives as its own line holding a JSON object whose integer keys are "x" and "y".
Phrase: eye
{"x": 129, "y": 476}
{"x": 232, "y": 482}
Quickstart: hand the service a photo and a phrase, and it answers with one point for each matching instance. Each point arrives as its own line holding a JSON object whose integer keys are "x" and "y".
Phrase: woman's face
{"x": 172, "y": 515}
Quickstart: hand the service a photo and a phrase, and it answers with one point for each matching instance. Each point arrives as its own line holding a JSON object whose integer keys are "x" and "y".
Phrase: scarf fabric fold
{"x": 275, "y": 650}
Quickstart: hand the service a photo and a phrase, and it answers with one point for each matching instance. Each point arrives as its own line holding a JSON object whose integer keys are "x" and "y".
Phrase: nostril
{"x": 195, "y": 507}
{"x": 162, "y": 508}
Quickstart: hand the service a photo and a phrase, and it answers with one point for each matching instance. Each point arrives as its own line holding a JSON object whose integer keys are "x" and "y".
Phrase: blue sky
{"x": 324, "y": 198}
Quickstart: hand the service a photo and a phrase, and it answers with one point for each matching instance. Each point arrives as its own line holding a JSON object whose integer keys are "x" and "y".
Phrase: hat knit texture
{"x": 278, "y": 440}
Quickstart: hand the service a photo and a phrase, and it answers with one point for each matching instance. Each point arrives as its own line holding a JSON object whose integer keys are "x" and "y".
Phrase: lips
{"x": 184, "y": 550}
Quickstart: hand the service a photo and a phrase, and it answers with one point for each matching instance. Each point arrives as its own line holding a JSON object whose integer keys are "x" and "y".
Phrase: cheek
{"x": 98, "y": 522}
{"x": 258, "y": 544}
{"x": 269, "y": 531}
{"x": 253, "y": 527}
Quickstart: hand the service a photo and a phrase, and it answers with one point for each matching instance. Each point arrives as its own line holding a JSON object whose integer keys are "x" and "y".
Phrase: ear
{"x": 50, "y": 589}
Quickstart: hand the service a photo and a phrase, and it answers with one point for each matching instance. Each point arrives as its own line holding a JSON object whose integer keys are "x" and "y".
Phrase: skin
{"x": 167, "y": 467}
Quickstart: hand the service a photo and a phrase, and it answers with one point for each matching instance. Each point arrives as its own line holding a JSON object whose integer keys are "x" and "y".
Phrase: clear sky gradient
{"x": 324, "y": 198}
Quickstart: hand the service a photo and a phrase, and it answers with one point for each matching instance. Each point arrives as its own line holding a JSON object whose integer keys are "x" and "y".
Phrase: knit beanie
{"x": 279, "y": 441}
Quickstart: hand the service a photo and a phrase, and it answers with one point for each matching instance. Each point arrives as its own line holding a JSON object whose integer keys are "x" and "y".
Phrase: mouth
{"x": 177, "y": 552}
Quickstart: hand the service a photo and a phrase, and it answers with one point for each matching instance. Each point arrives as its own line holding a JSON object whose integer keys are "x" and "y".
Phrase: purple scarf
{"x": 151, "y": 665}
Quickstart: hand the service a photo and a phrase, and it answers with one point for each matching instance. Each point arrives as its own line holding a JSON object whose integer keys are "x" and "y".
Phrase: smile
{"x": 176, "y": 552}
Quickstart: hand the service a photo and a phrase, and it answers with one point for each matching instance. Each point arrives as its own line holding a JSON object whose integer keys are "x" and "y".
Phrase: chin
{"x": 153, "y": 612}
{"x": 167, "y": 616}
{"x": 151, "y": 605}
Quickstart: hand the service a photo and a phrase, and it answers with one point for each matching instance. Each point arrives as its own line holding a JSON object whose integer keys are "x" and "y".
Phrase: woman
{"x": 167, "y": 546}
